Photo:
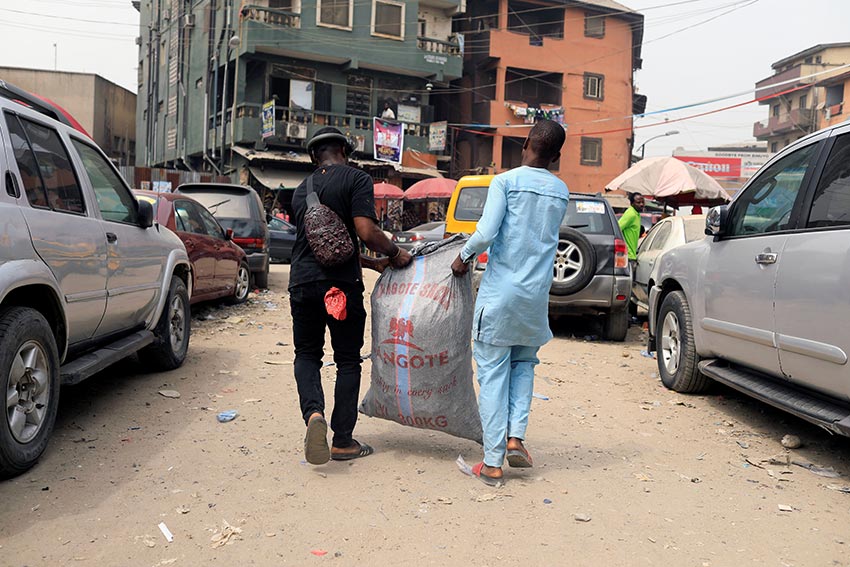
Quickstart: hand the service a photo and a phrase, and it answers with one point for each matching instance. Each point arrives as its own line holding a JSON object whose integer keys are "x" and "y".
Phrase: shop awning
{"x": 278, "y": 178}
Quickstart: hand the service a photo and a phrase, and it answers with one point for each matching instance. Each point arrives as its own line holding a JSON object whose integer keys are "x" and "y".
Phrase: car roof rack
{"x": 16, "y": 94}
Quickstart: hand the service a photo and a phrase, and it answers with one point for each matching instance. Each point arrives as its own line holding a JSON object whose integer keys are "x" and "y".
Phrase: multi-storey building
{"x": 207, "y": 67}
{"x": 105, "y": 110}
{"x": 796, "y": 93}
{"x": 836, "y": 94}
{"x": 572, "y": 61}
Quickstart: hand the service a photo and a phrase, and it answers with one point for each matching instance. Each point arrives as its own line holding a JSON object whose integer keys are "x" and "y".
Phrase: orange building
{"x": 835, "y": 108}
{"x": 570, "y": 61}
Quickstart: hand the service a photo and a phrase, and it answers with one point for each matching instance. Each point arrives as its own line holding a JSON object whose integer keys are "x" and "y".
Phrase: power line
{"x": 51, "y": 16}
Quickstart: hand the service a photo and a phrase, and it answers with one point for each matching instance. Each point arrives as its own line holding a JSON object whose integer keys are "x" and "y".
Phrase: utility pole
{"x": 55, "y": 58}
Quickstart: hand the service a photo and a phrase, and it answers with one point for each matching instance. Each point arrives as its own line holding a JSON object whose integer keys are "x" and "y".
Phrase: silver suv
{"x": 764, "y": 305}
{"x": 86, "y": 277}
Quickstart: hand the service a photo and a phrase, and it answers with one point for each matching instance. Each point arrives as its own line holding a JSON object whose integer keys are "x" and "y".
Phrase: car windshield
{"x": 694, "y": 229}
{"x": 470, "y": 203}
{"x": 588, "y": 216}
{"x": 224, "y": 205}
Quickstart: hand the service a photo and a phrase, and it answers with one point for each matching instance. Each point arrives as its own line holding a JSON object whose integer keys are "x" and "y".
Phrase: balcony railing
{"x": 799, "y": 119}
{"x": 439, "y": 46}
{"x": 271, "y": 16}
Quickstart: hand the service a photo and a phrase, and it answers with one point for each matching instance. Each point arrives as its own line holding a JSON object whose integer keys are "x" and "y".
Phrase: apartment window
{"x": 533, "y": 87}
{"x": 593, "y": 86}
{"x": 594, "y": 25}
{"x": 818, "y": 59}
{"x": 808, "y": 61}
{"x": 335, "y": 13}
{"x": 535, "y": 21}
{"x": 285, "y": 5}
{"x": 591, "y": 151}
{"x": 776, "y": 110}
{"x": 423, "y": 28}
{"x": 511, "y": 152}
{"x": 803, "y": 101}
{"x": 774, "y": 147}
{"x": 388, "y": 19}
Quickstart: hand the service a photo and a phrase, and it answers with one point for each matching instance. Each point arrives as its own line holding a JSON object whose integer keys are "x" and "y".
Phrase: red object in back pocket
{"x": 335, "y": 302}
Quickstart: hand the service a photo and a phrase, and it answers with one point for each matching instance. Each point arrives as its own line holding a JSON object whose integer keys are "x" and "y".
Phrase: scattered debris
{"x": 827, "y": 472}
{"x": 174, "y": 394}
{"x": 444, "y": 500}
{"x": 226, "y": 416}
{"x": 743, "y": 444}
{"x": 647, "y": 354}
{"x": 319, "y": 552}
{"x": 582, "y": 517}
{"x": 781, "y": 459}
{"x": 791, "y": 442}
{"x": 252, "y": 401}
{"x": 169, "y": 537}
{"x": 281, "y": 343}
{"x": 547, "y": 501}
{"x": 540, "y": 396}
{"x": 489, "y": 497}
{"x": 226, "y": 536}
{"x": 644, "y": 477}
{"x": 277, "y": 362}
{"x": 234, "y": 320}
{"x": 838, "y": 488}
{"x": 682, "y": 403}
{"x": 785, "y": 508}
{"x": 148, "y": 541}
{"x": 183, "y": 510}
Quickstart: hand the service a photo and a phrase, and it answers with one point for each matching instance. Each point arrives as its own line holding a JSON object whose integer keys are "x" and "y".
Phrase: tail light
{"x": 481, "y": 261}
{"x": 416, "y": 237}
{"x": 621, "y": 254}
{"x": 394, "y": 238}
{"x": 250, "y": 242}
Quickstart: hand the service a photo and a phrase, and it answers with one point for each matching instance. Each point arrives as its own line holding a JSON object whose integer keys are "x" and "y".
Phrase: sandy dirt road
{"x": 663, "y": 479}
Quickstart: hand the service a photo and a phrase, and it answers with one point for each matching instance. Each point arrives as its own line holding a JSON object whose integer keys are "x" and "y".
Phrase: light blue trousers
{"x": 506, "y": 378}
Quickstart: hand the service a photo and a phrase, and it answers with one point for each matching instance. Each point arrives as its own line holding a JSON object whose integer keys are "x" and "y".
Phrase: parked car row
{"x": 91, "y": 273}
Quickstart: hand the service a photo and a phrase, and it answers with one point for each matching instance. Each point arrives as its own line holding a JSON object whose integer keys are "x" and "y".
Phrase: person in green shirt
{"x": 630, "y": 225}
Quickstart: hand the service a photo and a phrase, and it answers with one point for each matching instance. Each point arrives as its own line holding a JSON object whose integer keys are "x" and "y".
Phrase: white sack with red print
{"x": 421, "y": 345}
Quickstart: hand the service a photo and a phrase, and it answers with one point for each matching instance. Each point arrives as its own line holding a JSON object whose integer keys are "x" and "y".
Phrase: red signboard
{"x": 714, "y": 166}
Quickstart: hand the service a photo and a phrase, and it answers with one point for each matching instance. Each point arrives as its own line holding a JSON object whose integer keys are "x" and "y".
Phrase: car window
{"x": 831, "y": 205}
{"x": 45, "y": 167}
{"x": 767, "y": 203}
{"x": 181, "y": 219}
{"x": 278, "y": 224}
{"x": 212, "y": 226}
{"x": 646, "y": 242}
{"x": 114, "y": 200}
{"x": 187, "y": 213}
{"x": 662, "y": 234}
{"x": 588, "y": 216}
{"x": 694, "y": 229}
{"x": 470, "y": 203}
{"x": 225, "y": 204}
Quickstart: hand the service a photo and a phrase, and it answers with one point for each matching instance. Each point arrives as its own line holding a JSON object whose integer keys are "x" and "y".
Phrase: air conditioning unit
{"x": 297, "y": 131}
{"x": 166, "y": 14}
{"x": 189, "y": 20}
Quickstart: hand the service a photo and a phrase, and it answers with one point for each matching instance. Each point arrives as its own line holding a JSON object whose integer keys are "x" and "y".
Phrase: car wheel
{"x": 261, "y": 279}
{"x": 243, "y": 285}
{"x": 29, "y": 372}
{"x": 172, "y": 331}
{"x": 616, "y": 326}
{"x": 678, "y": 362}
{"x": 575, "y": 263}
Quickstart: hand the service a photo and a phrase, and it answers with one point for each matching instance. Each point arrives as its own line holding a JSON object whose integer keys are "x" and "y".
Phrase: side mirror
{"x": 717, "y": 220}
{"x": 228, "y": 234}
{"x": 145, "y": 214}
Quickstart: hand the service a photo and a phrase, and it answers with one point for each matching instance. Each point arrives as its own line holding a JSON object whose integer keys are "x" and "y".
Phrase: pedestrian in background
{"x": 388, "y": 113}
{"x": 630, "y": 226}
{"x": 520, "y": 225}
{"x": 349, "y": 193}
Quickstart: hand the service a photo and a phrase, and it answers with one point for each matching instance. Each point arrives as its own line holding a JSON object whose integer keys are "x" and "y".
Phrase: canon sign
{"x": 714, "y": 166}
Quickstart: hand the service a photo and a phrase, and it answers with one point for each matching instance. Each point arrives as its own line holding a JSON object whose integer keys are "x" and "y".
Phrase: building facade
{"x": 573, "y": 62}
{"x": 208, "y": 67}
{"x": 106, "y": 110}
{"x": 796, "y": 100}
{"x": 836, "y": 93}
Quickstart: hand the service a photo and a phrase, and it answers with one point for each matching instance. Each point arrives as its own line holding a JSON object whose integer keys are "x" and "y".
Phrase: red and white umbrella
{"x": 671, "y": 181}
{"x": 388, "y": 191}
{"x": 432, "y": 188}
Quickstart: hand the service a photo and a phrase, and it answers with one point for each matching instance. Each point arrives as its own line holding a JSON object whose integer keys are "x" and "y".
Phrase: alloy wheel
{"x": 27, "y": 392}
{"x": 177, "y": 323}
{"x": 568, "y": 261}
{"x": 670, "y": 343}
{"x": 242, "y": 281}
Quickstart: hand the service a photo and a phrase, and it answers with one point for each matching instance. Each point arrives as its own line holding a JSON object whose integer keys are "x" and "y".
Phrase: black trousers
{"x": 309, "y": 321}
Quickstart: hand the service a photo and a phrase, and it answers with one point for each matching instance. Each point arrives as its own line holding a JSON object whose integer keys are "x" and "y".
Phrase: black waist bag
{"x": 326, "y": 234}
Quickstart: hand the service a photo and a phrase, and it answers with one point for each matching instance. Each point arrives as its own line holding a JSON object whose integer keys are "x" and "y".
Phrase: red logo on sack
{"x": 401, "y": 330}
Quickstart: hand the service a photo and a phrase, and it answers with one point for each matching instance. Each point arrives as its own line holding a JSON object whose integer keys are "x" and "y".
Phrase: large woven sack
{"x": 421, "y": 345}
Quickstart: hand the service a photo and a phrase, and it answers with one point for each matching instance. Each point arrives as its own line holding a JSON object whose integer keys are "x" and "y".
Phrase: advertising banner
{"x": 714, "y": 166}
{"x": 437, "y": 136}
{"x": 268, "y": 119}
{"x": 388, "y": 140}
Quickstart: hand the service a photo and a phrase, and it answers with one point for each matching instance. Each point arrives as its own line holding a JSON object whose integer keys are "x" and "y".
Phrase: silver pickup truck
{"x": 86, "y": 277}
{"x": 764, "y": 304}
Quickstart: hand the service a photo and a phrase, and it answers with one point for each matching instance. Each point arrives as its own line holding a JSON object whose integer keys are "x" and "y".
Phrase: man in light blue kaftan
{"x": 520, "y": 226}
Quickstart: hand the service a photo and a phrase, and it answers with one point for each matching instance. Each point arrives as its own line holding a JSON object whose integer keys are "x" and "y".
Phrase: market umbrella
{"x": 670, "y": 181}
{"x": 388, "y": 191}
{"x": 432, "y": 188}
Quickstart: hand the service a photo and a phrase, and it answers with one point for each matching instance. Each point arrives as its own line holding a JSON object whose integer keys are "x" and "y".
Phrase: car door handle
{"x": 766, "y": 258}
{"x": 189, "y": 243}
{"x": 111, "y": 237}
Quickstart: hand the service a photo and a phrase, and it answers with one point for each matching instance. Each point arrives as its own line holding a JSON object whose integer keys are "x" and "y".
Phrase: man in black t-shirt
{"x": 349, "y": 193}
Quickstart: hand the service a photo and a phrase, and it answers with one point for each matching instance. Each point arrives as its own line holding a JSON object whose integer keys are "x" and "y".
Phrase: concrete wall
{"x": 75, "y": 92}
{"x": 115, "y": 121}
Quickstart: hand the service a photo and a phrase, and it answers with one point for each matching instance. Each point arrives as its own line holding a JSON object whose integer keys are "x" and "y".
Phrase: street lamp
{"x": 642, "y": 147}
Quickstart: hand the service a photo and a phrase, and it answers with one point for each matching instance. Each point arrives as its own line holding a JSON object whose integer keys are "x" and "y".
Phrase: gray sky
{"x": 720, "y": 57}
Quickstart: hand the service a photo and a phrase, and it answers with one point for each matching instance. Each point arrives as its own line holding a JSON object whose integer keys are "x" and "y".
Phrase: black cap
{"x": 329, "y": 134}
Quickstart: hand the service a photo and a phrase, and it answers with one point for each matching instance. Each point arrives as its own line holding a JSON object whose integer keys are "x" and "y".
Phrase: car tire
{"x": 616, "y": 326}
{"x": 242, "y": 289}
{"x": 678, "y": 362}
{"x": 575, "y": 263}
{"x": 261, "y": 279}
{"x": 173, "y": 329}
{"x": 25, "y": 428}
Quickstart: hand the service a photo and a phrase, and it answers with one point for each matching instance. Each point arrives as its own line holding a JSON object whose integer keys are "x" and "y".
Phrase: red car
{"x": 219, "y": 267}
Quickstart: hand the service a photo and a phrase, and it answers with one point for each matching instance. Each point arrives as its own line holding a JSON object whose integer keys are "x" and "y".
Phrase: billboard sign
{"x": 388, "y": 140}
{"x": 437, "y": 136}
{"x": 268, "y": 119}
